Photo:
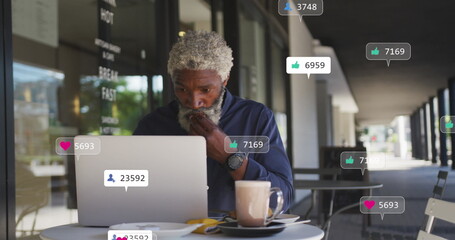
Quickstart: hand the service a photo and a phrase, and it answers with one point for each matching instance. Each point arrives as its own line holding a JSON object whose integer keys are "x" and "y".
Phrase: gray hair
{"x": 200, "y": 50}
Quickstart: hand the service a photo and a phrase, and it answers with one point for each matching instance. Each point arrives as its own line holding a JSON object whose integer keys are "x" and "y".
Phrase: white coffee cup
{"x": 252, "y": 202}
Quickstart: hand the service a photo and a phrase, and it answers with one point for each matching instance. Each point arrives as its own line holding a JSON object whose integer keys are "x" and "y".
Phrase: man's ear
{"x": 226, "y": 81}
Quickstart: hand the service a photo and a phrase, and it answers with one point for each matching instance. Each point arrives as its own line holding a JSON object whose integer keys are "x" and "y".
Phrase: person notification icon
{"x": 288, "y": 7}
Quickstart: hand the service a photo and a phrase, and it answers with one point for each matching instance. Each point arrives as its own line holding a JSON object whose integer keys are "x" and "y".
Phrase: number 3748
{"x": 307, "y": 6}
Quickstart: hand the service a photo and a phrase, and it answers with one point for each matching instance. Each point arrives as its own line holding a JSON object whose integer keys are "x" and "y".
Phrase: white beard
{"x": 213, "y": 112}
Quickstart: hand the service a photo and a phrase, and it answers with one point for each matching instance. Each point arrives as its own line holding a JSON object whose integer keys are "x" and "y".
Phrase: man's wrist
{"x": 224, "y": 158}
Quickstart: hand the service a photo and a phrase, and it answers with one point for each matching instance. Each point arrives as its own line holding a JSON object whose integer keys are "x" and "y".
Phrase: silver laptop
{"x": 176, "y": 190}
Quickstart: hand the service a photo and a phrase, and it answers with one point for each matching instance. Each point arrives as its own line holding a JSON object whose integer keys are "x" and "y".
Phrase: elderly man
{"x": 199, "y": 65}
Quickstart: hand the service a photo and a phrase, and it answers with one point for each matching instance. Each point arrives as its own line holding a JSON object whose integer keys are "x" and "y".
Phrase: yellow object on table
{"x": 210, "y": 225}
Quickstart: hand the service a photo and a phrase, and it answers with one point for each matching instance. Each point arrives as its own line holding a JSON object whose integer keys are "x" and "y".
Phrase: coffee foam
{"x": 247, "y": 183}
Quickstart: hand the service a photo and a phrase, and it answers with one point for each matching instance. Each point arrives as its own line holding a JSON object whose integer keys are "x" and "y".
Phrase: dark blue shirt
{"x": 238, "y": 117}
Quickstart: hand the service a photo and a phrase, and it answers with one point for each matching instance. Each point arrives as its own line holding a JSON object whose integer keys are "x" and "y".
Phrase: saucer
{"x": 161, "y": 229}
{"x": 233, "y": 229}
{"x": 286, "y": 218}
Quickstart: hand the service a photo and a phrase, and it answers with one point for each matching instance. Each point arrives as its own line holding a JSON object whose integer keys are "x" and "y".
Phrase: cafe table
{"x": 77, "y": 232}
{"x": 321, "y": 185}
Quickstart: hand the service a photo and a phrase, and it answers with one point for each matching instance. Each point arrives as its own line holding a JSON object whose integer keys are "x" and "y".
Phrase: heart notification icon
{"x": 369, "y": 204}
{"x": 65, "y": 145}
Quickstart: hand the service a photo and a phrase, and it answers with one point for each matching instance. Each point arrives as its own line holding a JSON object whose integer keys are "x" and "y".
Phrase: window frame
{"x": 7, "y": 170}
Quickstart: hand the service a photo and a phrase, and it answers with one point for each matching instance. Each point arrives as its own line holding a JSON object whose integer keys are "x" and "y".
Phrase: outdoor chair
{"x": 437, "y": 209}
{"x": 438, "y": 193}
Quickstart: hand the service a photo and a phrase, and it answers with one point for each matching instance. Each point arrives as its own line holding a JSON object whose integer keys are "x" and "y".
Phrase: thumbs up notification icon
{"x": 350, "y": 160}
{"x": 233, "y": 145}
{"x": 296, "y": 65}
{"x": 375, "y": 52}
{"x": 449, "y": 124}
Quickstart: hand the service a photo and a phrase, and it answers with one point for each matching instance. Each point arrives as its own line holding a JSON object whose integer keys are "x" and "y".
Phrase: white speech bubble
{"x": 132, "y": 234}
{"x": 308, "y": 65}
{"x": 126, "y": 178}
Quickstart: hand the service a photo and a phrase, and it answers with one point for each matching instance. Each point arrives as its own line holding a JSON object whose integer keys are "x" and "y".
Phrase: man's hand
{"x": 201, "y": 125}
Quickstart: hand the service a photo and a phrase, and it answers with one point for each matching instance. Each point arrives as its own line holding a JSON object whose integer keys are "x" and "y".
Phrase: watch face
{"x": 235, "y": 161}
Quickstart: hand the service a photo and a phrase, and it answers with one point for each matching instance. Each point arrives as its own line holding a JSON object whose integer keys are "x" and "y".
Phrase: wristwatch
{"x": 234, "y": 161}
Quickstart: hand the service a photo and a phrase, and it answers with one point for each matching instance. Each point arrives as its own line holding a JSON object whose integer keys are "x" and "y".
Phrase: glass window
{"x": 278, "y": 78}
{"x": 279, "y": 88}
{"x": 80, "y": 67}
{"x": 194, "y": 15}
{"x": 252, "y": 54}
{"x": 218, "y": 9}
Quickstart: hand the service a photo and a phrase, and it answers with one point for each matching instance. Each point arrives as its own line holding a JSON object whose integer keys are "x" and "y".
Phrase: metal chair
{"x": 438, "y": 190}
{"x": 438, "y": 193}
{"x": 437, "y": 209}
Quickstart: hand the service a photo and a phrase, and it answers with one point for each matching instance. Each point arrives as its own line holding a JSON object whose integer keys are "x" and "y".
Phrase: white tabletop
{"x": 335, "y": 185}
{"x": 77, "y": 232}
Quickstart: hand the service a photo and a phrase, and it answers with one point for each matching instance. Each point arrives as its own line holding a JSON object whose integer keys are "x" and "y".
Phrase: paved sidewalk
{"x": 412, "y": 179}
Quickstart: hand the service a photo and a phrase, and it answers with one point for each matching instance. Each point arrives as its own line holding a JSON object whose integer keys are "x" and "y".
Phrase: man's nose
{"x": 196, "y": 102}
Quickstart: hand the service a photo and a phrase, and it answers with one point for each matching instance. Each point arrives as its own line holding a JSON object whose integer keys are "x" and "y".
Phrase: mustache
{"x": 187, "y": 112}
{"x": 213, "y": 112}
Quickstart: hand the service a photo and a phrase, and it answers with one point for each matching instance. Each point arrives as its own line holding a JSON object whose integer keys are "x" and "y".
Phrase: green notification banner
{"x": 382, "y": 205}
{"x": 246, "y": 144}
